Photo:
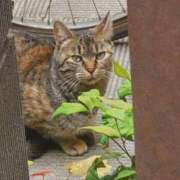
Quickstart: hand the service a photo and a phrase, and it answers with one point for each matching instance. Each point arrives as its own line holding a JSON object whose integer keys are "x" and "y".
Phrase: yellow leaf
{"x": 80, "y": 168}
{"x": 30, "y": 163}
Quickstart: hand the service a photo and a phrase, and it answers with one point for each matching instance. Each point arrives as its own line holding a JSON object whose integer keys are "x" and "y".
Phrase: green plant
{"x": 117, "y": 125}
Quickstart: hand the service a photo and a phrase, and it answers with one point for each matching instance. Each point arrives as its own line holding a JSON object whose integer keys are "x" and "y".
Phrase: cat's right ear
{"x": 61, "y": 32}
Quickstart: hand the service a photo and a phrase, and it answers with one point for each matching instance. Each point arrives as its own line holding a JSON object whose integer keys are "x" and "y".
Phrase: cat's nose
{"x": 90, "y": 70}
{"x": 90, "y": 66}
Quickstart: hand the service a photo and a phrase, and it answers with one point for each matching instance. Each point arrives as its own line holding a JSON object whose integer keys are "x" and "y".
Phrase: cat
{"x": 52, "y": 72}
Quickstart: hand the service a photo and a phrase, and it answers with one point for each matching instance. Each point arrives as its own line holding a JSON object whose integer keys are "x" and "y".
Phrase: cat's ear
{"x": 104, "y": 30}
{"x": 61, "y": 32}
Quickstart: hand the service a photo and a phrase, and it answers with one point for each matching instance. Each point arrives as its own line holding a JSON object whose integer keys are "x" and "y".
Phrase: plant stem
{"x": 123, "y": 142}
{"x": 122, "y": 148}
{"x": 118, "y": 127}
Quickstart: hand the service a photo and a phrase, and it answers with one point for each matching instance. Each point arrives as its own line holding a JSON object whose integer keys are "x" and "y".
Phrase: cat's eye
{"x": 76, "y": 58}
{"x": 101, "y": 55}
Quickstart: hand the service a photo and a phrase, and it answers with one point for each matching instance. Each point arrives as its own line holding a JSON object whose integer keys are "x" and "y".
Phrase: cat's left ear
{"x": 104, "y": 30}
{"x": 61, "y": 32}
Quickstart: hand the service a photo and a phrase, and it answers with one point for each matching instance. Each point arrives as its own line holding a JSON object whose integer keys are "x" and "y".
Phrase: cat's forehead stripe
{"x": 87, "y": 43}
{"x": 79, "y": 49}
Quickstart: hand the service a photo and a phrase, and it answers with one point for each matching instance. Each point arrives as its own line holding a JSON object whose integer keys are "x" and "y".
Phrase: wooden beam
{"x": 154, "y": 29}
{"x": 13, "y": 156}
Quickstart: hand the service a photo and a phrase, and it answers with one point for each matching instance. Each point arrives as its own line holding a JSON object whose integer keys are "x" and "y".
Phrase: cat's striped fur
{"x": 51, "y": 74}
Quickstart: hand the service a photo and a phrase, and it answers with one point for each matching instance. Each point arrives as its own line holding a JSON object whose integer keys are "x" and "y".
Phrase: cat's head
{"x": 86, "y": 57}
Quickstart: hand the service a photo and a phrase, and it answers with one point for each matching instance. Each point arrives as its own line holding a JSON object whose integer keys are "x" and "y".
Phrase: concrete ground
{"x": 56, "y": 161}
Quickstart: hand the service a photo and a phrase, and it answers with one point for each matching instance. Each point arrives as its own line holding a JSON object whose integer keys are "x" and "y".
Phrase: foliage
{"x": 102, "y": 129}
{"x": 93, "y": 166}
{"x": 120, "y": 71}
{"x": 125, "y": 173}
{"x": 92, "y": 171}
{"x": 125, "y": 89}
{"x": 68, "y": 109}
{"x": 117, "y": 124}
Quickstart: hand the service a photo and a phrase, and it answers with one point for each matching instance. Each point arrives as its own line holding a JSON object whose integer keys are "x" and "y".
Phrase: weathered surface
{"x": 155, "y": 48}
{"x": 13, "y": 162}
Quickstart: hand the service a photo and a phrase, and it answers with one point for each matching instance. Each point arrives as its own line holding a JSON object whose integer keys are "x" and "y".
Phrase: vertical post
{"x": 154, "y": 28}
{"x": 13, "y": 160}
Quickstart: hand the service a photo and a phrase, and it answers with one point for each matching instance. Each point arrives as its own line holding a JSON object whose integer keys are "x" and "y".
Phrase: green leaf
{"x": 90, "y": 102}
{"x": 120, "y": 71}
{"x": 68, "y": 109}
{"x": 120, "y": 120}
{"x": 125, "y": 89}
{"x": 91, "y": 99}
{"x": 126, "y": 127}
{"x": 104, "y": 140}
{"x": 102, "y": 129}
{"x": 111, "y": 154}
{"x": 87, "y": 101}
{"x": 125, "y": 173}
{"x": 117, "y": 103}
{"x": 92, "y": 93}
{"x": 92, "y": 172}
{"x": 114, "y": 113}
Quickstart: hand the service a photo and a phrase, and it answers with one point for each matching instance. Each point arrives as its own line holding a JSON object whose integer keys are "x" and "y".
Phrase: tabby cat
{"x": 53, "y": 73}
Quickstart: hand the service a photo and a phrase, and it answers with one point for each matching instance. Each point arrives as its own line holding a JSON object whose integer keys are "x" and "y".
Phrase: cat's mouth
{"x": 91, "y": 81}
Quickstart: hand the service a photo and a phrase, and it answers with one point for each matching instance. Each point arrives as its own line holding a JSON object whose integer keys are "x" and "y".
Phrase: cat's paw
{"x": 75, "y": 148}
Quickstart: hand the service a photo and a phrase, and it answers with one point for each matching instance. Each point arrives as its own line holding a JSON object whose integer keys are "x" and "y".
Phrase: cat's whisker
{"x": 79, "y": 74}
{"x": 66, "y": 82}
{"x": 62, "y": 84}
{"x": 81, "y": 77}
{"x": 109, "y": 72}
{"x": 65, "y": 88}
{"x": 107, "y": 76}
{"x": 70, "y": 81}
{"x": 74, "y": 84}
{"x": 68, "y": 76}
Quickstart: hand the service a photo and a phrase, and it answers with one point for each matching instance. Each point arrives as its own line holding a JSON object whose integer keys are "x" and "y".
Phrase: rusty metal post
{"x": 13, "y": 156}
{"x": 154, "y": 28}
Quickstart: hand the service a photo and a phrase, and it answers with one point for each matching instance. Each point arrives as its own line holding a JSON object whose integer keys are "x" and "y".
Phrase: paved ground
{"x": 56, "y": 161}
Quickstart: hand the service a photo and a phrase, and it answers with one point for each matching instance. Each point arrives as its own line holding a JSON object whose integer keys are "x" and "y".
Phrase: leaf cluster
{"x": 117, "y": 123}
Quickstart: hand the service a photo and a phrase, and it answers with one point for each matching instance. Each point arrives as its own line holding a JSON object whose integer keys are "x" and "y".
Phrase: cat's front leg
{"x": 74, "y": 146}
{"x": 65, "y": 136}
{"x": 76, "y": 141}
